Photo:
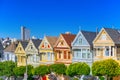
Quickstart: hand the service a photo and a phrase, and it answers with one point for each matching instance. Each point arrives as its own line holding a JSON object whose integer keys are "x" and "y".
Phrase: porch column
{"x": 81, "y": 54}
{"x": 113, "y": 50}
{"x": 109, "y": 50}
{"x": 104, "y": 51}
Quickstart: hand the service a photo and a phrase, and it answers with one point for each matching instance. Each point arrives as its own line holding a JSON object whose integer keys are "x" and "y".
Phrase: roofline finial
{"x": 80, "y": 28}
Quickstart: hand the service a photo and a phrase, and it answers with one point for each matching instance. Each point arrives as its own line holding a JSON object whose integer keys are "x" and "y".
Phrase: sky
{"x": 52, "y": 17}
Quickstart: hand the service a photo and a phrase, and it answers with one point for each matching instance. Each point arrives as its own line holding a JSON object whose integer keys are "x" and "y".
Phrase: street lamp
{"x": 25, "y": 75}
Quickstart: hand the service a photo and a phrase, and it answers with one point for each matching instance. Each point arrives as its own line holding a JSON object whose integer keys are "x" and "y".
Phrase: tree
{"x": 7, "y": 68}
{"x": 78, "y": 69}
{"x": 41, "y": 70}
{"x": 19, "y": 71}
{"x": 108, "y": 68}
{"x": 58, "y": 68}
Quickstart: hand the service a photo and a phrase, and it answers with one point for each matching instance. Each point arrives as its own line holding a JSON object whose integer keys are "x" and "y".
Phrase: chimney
{"x": 67, "y": 32}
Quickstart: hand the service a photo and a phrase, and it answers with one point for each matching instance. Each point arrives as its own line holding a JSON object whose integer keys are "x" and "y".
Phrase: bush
{"x": 101, "y": 78}
{"x": 1, "y": 79}
{"x": 75, "y": 79}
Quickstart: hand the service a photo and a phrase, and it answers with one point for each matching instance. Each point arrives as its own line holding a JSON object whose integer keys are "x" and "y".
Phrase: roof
{"x": 68, "y": 38}
{"x": 52, "y": 40}
{"x": 90, "y": 36}
{"x": 114, "y": 34}
{"x": 24, "y": 44}
{"x": 1, "y": 46}
{"x": 11, "y": 47}
{"x": 36, "y": 42}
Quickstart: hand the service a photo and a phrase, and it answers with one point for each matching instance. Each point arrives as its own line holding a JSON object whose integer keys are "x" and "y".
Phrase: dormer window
{"x": 45, "y": 43}
{"x": 61, "y": 43}
{"x": 31, "y": 47}
{"x": 80, "y": 40}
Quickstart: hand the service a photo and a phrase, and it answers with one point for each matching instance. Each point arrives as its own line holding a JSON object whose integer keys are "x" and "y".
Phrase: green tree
{"x": 41, "y": 70}
{"x": 7, "y": 68}
{"x": 58, "y": 68}
{"x": 108, "y": 68}
{"x": 19, "y": 71}
{"x": 78, "y": 69}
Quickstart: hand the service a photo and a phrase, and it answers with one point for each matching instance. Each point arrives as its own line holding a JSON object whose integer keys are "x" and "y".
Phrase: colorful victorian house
{"x": 32, "y": 52}
{"x": 82, "y": 47}
{"x": 1, "y": 51}
{"x": 62, "y": 48}
{"x": 20, "y": 53}
{"x": 9, "y": 54}
{"x": 46, "y": 50}
{"x": 107, "y": 44}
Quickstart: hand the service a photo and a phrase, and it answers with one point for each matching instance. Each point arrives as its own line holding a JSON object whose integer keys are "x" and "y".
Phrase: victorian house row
{"x": 67, "y": 48}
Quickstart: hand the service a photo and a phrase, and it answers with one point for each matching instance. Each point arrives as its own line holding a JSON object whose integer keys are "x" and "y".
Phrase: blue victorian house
{"x": 82, "y": 47}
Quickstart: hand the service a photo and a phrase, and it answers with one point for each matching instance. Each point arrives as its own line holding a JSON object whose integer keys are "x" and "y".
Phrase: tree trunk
{"x": 108, "y": 78}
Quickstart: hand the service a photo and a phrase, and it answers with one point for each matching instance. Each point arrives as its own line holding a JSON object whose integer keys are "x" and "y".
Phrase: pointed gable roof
{"x": 68, "y": 38}
{"x": 90, "y": 36}
{"x": 114, "y": 34}
{"x": 36, "y": 42}
{"x": 11, "y": 47}
{"x": 24, "y": 44}
{"x": 52, "y": 40}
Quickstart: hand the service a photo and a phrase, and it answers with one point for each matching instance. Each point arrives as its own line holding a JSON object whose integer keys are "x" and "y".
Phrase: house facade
{"x": 9, "y": 54}
{"x": 32, "y": 52}
{"x": 46, "y": 50}
{"x": 107, "y": 44}
{"x": 20, "y": 53}
{"x": 82, "y": 48}
{"x": 62, "y": 48}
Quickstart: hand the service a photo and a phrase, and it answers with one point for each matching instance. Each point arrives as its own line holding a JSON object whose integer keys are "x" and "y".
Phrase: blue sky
{"x": 52, "y": 17}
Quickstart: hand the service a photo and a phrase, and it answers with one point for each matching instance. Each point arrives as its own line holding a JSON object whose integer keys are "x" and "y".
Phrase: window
{"x": 80, "y": 41}
{"x": 43, "y": 46}
{"x": 59, "y": 55}
{"x": 83, "y": 55}
{"x": 98, "y": 52}
{"x": 68, "y": 55}
{"x": 61, "y": 43}
{"x": 107, "y": 52}
{"x": 48, "y": 46}
{"x": 65, "y": 56}
{"x": 31, "y": 47}
{"x": 88, "y": 55}
{"x": 48, "y": 55}
{"x": 34, "y": 58}
{"x": 7, "y": 56}
{"x": 103, "y": 37}
{"x": 45, "y": 43}
{"x": 20, "y": 48}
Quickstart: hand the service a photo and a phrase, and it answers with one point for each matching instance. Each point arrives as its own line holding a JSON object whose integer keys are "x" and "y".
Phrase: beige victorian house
{"x": 107, "y": 44}
{"x": 20, "y": 53}
{"x": 46, "y": 50}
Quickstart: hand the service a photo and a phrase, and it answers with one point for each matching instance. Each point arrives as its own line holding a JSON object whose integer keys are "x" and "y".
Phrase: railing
{"x": 82, "y": 59}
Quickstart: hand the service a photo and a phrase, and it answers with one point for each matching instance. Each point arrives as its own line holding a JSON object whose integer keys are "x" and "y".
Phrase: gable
{"x": 19, "y": 49}
{"x": 45, "y": 44}
{"x": 80, "y": 40}
{"x": 61, "y": 42}
{"x": 31, "y": 47}
{"x": 103, "y": 38}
